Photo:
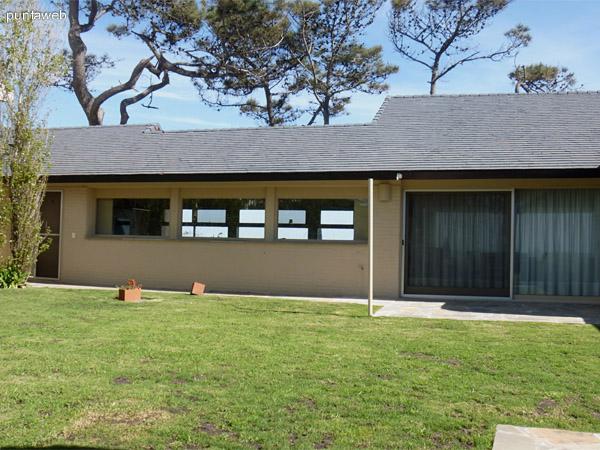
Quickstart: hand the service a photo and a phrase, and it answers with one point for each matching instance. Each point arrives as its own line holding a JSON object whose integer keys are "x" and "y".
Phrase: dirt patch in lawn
{"x": 182, "y": 410}
{"x": 213, "y": 430}
{"x": 309, "y": 403}
{"x": 438, "y": 442}
{"x": 548, "y": 407}
{"x": 121, "y": 420}
{"x": 389, "y": 407}
{"x": 326, "y": 442}
{"x": 122, "y": 380}
{"x": 547, "y": 403}
{"x": 453, "y": 362}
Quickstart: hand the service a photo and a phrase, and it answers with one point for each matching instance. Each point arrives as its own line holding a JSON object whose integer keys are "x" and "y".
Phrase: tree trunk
{"x": 269, "y": 106}
{"x": 325, "y": 110}
{"x": 85, "y": 98}
{"x": 434, "y": 78}
{"x": 92, "y": 105}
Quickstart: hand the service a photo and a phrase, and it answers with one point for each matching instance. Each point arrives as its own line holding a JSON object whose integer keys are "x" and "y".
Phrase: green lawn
{"x": 78, "y": 368}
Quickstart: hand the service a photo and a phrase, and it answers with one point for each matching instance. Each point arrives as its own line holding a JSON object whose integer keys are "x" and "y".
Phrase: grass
{"x": 78, "y": 368}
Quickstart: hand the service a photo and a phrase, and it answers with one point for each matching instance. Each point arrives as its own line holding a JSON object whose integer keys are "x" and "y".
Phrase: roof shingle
{"x": 425, "y": 133}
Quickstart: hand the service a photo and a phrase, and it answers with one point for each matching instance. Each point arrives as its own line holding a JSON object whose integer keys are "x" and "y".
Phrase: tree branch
{"x": 315, "y": 115}
{"x": 166, "y": 64}
{"x": 129, "y": 84}
{"x": 130, "y": 101}
{"x": 95, "y": 15}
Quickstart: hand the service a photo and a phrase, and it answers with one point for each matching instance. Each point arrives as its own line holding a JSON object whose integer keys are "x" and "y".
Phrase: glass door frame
{"x": 51, "y": 235}
{"x": 449, "y": 296}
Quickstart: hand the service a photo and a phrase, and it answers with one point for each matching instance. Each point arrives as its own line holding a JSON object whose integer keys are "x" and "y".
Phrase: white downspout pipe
{"x": 370, "y": 243}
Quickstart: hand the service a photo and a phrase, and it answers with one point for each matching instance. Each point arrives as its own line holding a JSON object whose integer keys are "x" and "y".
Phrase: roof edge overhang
{"x": 206, "y": 177}
{"x": 322, "y": 176}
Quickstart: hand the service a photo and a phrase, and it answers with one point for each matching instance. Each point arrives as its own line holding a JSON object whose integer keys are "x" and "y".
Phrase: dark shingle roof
{"x": 425, "y": 133}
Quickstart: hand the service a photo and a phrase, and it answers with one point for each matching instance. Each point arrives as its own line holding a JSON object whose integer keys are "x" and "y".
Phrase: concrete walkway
{"x": 507, "y": 310}
{"x": 360, "y": 301}
{"x": 502, "y": 310}
{"x": 509, "y": 437}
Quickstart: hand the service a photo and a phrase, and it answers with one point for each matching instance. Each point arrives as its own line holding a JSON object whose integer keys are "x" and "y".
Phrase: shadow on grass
{"x": 58, "y": 447}
{"x": 294, "y": 311}
{"x": 589, "y": 313}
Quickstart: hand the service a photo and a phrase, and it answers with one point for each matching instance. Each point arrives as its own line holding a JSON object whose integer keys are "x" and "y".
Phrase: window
{"x": 457, "y": 243}
{"x": 133, "y": 217}
{"x": 557, "y": 242}
{"x": 223, "y": 218}
{"x": 322, "y": 219}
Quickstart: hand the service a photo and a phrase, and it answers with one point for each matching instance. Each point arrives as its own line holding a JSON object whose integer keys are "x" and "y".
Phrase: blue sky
{"x": 565, "y": 33}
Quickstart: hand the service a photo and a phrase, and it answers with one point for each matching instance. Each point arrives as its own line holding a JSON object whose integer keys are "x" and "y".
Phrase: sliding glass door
{"x": 557, "y": 242}
{"x": 458, "y": 243}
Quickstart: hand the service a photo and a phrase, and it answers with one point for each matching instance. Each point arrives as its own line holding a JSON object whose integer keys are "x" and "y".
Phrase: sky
{"x": 565, "y": 33}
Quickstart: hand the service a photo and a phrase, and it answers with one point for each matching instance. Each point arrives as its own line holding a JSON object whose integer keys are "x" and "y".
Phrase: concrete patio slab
{"x": 509, "y": 437}
{"x": 502, "y": 310}
{"x": 508, "y": 310}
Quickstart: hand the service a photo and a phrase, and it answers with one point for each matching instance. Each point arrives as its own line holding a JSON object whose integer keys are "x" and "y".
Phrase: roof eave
{"x": 341, "y": 175}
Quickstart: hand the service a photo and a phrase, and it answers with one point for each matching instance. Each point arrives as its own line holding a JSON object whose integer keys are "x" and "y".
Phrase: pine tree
{"x": 439, "y": 34}
{"x": 542, "y": 78}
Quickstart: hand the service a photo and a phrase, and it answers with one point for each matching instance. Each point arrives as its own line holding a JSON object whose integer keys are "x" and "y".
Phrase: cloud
{"x": 172, "y": 120}
{"x": 175, "y": 96}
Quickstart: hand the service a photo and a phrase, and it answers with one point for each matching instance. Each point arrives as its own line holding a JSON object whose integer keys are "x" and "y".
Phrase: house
{"x": 474, "y": 195}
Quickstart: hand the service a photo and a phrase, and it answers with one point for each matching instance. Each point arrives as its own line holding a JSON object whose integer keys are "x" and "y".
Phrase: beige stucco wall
{"x": 249, "y": 266}
{"x": 262, "y": 267}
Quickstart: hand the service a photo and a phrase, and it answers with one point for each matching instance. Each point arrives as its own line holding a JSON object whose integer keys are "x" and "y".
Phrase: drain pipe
{"x": 370, "y": 297}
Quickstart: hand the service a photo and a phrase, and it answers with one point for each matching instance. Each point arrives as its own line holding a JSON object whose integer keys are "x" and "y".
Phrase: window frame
{"x": 313, "y": 221}
{"x": 164, "y": 223}
{"x": 236, "y": 226}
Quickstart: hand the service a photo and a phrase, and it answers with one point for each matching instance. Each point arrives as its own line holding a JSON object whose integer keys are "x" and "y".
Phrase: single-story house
{"x": 474, "y": 195}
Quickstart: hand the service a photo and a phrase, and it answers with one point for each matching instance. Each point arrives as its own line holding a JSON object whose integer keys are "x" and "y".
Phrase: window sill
{"x": 223, "y": 240}
{"x": 277, "y": 241}
{"x": 127, "y": 237}
{"x": 318, "y": 242}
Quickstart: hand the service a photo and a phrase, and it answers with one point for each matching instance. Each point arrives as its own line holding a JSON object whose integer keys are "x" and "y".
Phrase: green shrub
{"x": 12, "y": 277}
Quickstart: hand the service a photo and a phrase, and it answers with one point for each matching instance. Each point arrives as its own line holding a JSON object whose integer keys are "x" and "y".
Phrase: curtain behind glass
{"x": 557, "y": 242}
{"x": 458, "y": 241}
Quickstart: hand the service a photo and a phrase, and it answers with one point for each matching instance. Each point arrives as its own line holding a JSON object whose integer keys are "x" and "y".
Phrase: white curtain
{"x": 459, "y": 240}
{"x": 557, "y": 242}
